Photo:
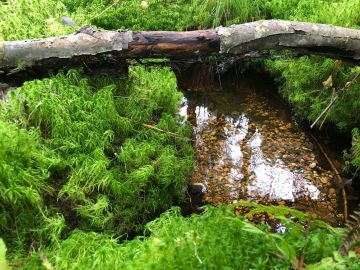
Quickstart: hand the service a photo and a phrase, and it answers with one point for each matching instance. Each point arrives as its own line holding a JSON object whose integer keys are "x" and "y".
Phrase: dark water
{"x": 249, "y": 148}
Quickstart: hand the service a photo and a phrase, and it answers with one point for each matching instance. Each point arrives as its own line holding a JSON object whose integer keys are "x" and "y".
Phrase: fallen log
{"x": 90, "y": 47}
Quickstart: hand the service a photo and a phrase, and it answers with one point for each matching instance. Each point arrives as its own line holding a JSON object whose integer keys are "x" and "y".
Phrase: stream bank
{"x": 248, "y": 147}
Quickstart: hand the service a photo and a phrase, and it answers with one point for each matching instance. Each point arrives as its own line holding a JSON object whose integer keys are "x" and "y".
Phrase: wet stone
{"x": 253, "y": 151}
{"x": 324, "y": 180}
{"x": 197, "y": 188}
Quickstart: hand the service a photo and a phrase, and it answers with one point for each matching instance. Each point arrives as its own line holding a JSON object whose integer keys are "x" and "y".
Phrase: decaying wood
{"x": 90, "y": 47}
{"x": 307, "y": 38}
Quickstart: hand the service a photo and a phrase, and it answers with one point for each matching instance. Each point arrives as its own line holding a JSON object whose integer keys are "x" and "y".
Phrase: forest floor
{"x": 93, "y": 168}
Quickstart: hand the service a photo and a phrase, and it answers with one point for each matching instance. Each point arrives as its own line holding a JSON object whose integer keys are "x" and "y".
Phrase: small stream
{"x": 249, "y": 148}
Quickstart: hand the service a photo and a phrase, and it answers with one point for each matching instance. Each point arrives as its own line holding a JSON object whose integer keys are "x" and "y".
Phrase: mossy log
{"x": 90, "y": 47}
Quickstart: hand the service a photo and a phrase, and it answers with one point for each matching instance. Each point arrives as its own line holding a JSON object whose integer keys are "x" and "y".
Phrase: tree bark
{"x": 90, "y": 47}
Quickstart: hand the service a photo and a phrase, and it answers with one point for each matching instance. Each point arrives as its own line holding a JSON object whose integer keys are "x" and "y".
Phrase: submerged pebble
{"x": 253, "y": 151}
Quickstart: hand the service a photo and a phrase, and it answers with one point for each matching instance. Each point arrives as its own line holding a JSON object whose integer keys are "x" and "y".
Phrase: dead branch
{"x": 90, "y": 47}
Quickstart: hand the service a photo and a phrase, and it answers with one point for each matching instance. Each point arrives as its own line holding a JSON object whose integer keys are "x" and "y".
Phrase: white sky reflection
{"x": 275, "y": 181}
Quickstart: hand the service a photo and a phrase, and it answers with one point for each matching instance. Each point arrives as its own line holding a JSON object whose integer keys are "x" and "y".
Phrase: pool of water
{"x": 249, "y": 148}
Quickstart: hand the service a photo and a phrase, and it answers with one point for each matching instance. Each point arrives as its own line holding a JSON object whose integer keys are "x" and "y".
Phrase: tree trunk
{"x": 90, "y": 47}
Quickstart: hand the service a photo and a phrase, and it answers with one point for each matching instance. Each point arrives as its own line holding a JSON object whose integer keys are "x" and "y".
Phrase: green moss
{"x": 81, "y": 165}
{"x": 3, "y": 262}
{"x": 130, "y": 14}
{"x": 216, "y": 239}
{"x": 211, "y": 13}
{"x": 111, "y": 172}
{"x": 24, "y": 19}
{"x": 356, "y": 136}
{"x": 354, "y": 157}
{"x": 301, "y": 82}
{"x": 338, "y": 12}
{"x": 25, "y": 167}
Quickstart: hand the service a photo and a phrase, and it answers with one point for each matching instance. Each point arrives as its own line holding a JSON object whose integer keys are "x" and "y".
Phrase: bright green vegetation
{"x": 214, "y": 13}
{"x": 82, "y": 167}
{"x": 302, "y": 84}
{"x": 134, "y": 15}
{"x": 216, "y": 239}
{"x": 300, "y": 79}
{"x": 339, "y": 12}
{"x": 356, "y": 149}
{"x": 75, "y": 154}
{"x": 39, "y": 18}
{"x": 22, "y": 19}
{"x": 23, "y": 173}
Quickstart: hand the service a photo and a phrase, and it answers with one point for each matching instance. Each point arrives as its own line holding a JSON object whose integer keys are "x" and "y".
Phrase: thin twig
{"x": 87, "y": 67}
{"x": 323, "y": 121}
{"x": 164, "y": 131}
{"x": 300, "y": 263}
{"x": 159, "y": 129}
{"x": 328, "y": 107}
{"x": 340, "y": 180}
{"x": 105, "y": 10}
{"x": 332, "y": 101}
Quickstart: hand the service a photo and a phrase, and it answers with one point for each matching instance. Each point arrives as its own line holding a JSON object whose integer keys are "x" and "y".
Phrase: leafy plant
{"x": 352, "y": 234}
{"x": 337, "y": 262}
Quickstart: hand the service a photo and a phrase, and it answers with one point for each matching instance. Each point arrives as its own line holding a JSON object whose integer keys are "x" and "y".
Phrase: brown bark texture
{"x": 90, "y": 47}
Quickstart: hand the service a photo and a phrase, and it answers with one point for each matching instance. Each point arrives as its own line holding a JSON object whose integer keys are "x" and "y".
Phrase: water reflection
{"x": 183, "y": 110}
{"x": 275, "y": 180}
{"x": 247, "y": 148}
{"x": 235, "y": 131}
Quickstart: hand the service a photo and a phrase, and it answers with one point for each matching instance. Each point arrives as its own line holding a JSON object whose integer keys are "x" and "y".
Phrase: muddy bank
{"x": 249, "y": 148}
